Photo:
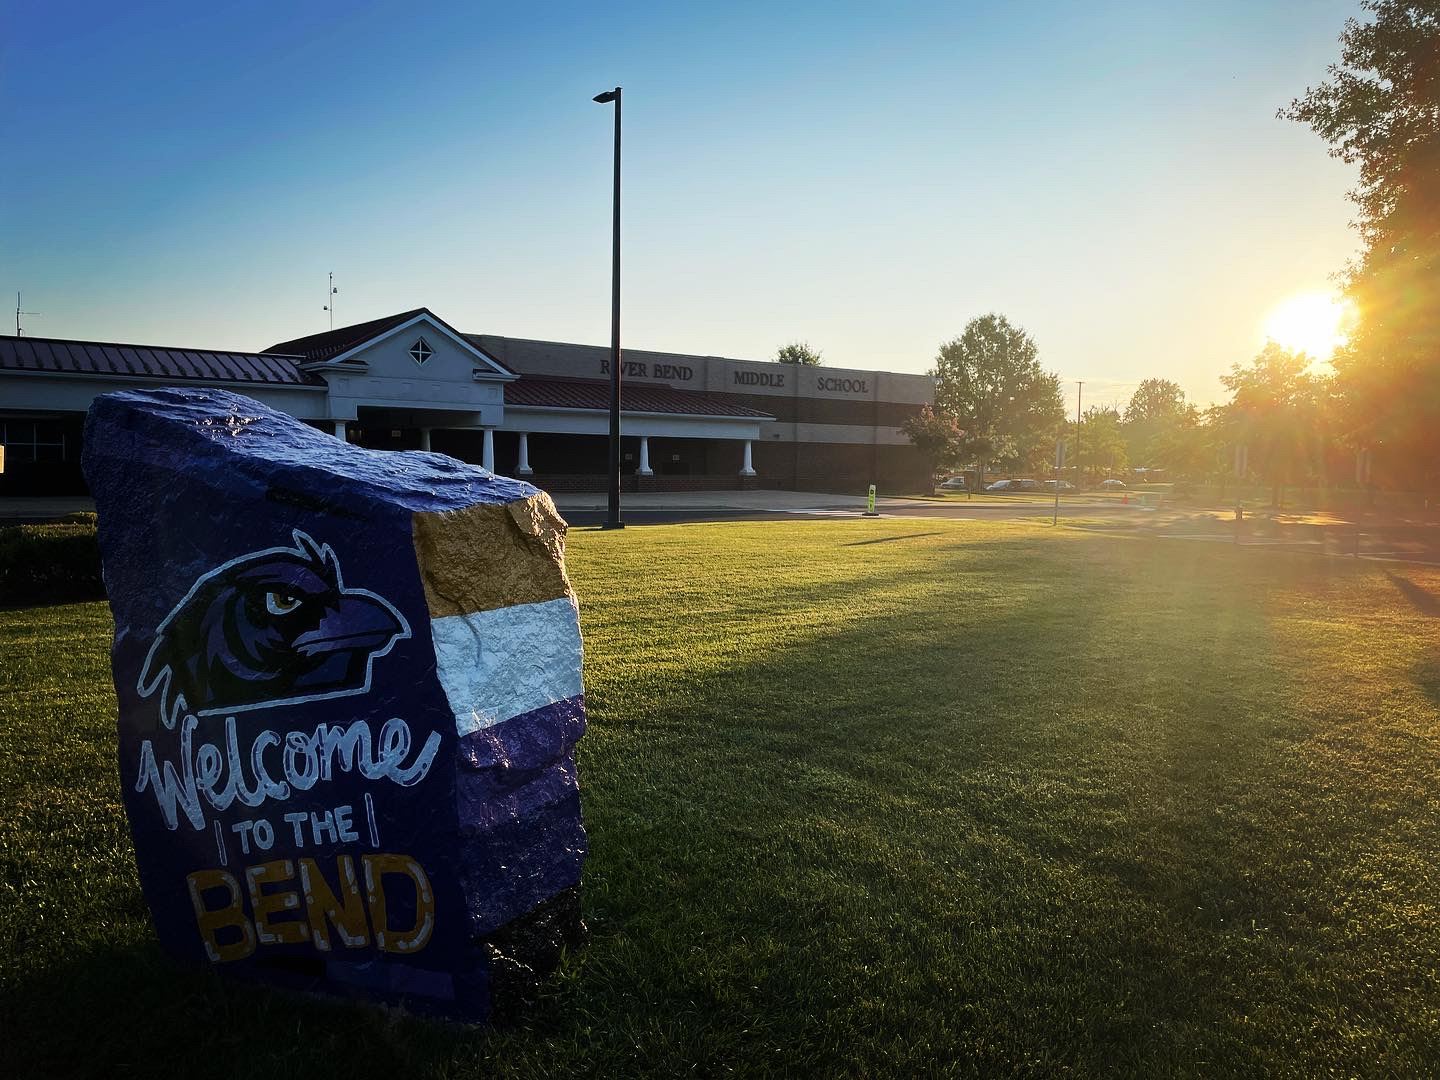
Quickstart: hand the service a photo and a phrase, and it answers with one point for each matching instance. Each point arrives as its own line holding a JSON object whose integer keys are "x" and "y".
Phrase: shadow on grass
{"x": 1066, "y": 832}
{"x": 119, "y": 1011}
{"x": 891, "y": 539}
{"x": 1422, "y": 600}
{"x": 1032, "y": 813}
{"x": 59, "y": 598}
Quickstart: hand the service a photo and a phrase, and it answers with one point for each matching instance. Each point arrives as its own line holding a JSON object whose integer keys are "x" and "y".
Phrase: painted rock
{"x": 350, "y": 690}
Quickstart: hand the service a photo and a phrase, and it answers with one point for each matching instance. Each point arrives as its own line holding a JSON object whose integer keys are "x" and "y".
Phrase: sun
{"x": 1313, "y": 323}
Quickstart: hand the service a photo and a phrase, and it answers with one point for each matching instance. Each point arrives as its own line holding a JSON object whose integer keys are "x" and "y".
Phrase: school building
{"x": 527, "y": 408}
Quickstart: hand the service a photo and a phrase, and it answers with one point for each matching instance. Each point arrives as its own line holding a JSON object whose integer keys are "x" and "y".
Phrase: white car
{"x": 1112, "y": 485}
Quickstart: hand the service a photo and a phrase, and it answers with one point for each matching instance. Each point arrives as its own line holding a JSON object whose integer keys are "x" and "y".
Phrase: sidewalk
{"x": 775, "y": 501}
{"x": 27, "y": 508}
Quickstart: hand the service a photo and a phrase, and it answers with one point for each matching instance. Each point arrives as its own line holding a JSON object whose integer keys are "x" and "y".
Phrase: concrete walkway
{"x": 26, "y": 508}
{"x": 684, "y": 501}
{"x": 35, "y": 508}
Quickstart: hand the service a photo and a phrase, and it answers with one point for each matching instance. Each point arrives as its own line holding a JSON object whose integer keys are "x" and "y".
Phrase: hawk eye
{"x": 280, "y": 603}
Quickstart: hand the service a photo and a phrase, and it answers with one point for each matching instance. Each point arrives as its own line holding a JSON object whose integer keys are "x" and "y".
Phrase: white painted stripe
{"x": 500, "y": 663}
{"x": 370, "y": 817}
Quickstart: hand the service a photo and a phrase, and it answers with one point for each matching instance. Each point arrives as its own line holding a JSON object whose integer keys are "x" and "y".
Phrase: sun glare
{"x": 1312, "y": 323}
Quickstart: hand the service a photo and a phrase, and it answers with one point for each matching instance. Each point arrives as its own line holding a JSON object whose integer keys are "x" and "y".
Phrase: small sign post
{"x": 1362, "y": 481}
{"x": 1059, "y": 461}
{"x": 870, "y": 503}
{"x": 1362, "y": 468}
{"x": 1242, "y": 466}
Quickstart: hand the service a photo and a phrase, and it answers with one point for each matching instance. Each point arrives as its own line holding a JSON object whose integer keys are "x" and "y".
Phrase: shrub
{"x": 49, "y": 562}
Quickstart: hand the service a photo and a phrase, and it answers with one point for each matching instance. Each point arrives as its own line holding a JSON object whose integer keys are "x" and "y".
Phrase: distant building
{"x": 536, "y": 409}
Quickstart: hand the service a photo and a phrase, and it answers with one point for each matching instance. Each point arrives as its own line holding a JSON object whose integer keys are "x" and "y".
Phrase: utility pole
{"x": 1059, "y": 460}
{"x": 330, "y": 299}
{"x": 612, "y": 519}
{"x": 1079, "y": 389}
{"x": 18, "y": 331}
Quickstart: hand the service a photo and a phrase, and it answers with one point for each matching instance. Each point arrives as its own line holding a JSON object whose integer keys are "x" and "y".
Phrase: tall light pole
{"x": 612, "y": 520}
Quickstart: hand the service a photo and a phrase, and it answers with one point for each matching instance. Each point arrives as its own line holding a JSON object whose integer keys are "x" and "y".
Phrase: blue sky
{"x": 866, "y": 178}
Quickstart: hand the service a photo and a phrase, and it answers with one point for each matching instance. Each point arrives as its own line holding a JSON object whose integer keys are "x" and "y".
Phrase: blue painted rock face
{"x": 350, "y": 691}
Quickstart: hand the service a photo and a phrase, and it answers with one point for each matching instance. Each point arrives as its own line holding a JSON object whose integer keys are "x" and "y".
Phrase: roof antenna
{"x": 330, "y": 299}
{"x": 19, "y": 332}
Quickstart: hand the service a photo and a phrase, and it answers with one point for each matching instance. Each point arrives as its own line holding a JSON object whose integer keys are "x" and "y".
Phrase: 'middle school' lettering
{"x": 760, "y": 378}
{"x": 843, "y": 386}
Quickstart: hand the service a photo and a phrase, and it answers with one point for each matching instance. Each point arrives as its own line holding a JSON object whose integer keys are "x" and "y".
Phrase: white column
{"x": 644, "y": 469}
{"x": 523, "y": 469}
{"x": 424, "y": 438}
{"x": 487, "y": 458}
{"x": 340, "y": 430}
{"x": 747, "y": 469}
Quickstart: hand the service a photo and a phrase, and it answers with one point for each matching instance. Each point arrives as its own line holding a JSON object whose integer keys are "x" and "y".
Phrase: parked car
{"x": 1065, "y": 485}
{"x": 1112, "y": 485}
{"x": 1011, "y": 487}
{"x": 955, "y": 483}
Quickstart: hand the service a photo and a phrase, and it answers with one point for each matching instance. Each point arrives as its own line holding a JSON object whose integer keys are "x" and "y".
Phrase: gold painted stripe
{"x": 491, "y": 556}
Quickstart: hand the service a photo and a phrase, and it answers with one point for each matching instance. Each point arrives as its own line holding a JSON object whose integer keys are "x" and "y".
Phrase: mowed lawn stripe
{"x": 868, "y": 798}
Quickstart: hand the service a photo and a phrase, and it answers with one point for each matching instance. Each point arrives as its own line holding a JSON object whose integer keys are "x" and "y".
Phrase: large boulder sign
{"x": 350, "y": 690}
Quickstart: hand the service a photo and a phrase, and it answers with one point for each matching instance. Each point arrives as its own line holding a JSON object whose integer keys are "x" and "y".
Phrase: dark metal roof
{"x": 331, "y": 343}
{"x": 636, "y": 397}
{"x": 316, "y": 348}
{"x": 67, "y": 357}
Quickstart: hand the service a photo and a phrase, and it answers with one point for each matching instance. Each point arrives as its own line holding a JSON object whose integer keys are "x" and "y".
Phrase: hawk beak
{"x": 356, "y": 622}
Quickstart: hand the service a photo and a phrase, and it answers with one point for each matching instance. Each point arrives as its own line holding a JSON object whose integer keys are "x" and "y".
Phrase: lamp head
{"x": 608, "y": 96}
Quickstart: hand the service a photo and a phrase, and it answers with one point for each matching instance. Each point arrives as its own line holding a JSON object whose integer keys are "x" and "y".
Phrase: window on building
{"x": 32, "y": 440}
{"x": 421, "y": 351}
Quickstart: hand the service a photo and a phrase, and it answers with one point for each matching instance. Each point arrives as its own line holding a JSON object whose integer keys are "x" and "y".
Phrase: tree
{"x": 1102, "y": 442}
{"x": 1380, "y": 110}
{"x": 935, "y": 435}
{"x": 797, "y": 352}
{"x": 990, "y": 381}
{"x": 1155, "y": 399}
{"x": 1156, "y": 407}
{"x": 1189, "y": 448}
{"x": 1275, "y": 411}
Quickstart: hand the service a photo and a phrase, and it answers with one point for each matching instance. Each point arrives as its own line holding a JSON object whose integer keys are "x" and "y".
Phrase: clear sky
{"x": 864, "y": 177}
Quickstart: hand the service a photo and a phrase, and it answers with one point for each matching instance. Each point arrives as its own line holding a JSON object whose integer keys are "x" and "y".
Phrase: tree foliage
{"x": 989, "y": 380}
{"x": 935, "y": 435}
{"x": 1380, "y": 110}
{"x": 1190, "y": 448}
{"x": 1155, "y": 400}
{"x": 797, "y": 352}
{"x": 1102, "y": 452}
{"x": 1276, "y": 411}
{"x": 1156, "y": 410}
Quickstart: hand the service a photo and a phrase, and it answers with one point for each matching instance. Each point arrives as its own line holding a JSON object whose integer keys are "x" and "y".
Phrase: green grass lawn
{"x": 864, "y": 798}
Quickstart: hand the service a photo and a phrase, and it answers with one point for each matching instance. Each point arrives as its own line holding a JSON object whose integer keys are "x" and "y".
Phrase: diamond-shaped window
{"x": 421, "y": 351}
